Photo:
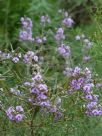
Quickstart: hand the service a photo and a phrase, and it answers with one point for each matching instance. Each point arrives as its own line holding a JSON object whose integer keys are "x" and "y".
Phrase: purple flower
{"x": 60, "y": 34}
{"x": 26, "y": 22}
{"x": 19, "y": 109}
{"x": 68, "y": 22}
{"x": 25, "y": 36}
{"x": 86, "y": 58}
{"x": 76, "y": 71}
{"x": 75, "y": 85}
{"x": 43, "y": 87}
{"x": 95, "y": 112}
{"x": 15, "y": 59}
{"x": 19, "y": 117}
{"x": 41, "y": 97}
{"x": 91, "y": 105}
{"x": 87, "y": 88}
{"x": 64, "y": 50}
{"x": 89, "y": 97}
{"x": 26, "y": 32}
{"x": 39, "y": 40}
{"x": 29, "y": 57}
{"x": 45, "y": 104}
{"x": 100, "y": 111}
{"x": 61, "y": 50}
{"x": 54, "y": 109}
{"x": 37, "y": 77}
{"x": 60, "y": 31}
{"x": 34, "y": 91}
{"x": 10, "y": 110}
{"x": 14, "y": 114}
{"x": 81, "y": 80}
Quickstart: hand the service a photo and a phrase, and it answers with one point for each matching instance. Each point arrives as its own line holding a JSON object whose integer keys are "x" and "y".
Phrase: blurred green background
{"x": 87, "y": 15}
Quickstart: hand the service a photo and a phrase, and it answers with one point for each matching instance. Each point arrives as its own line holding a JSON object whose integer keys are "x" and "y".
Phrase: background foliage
{"x": 86, "y": 22}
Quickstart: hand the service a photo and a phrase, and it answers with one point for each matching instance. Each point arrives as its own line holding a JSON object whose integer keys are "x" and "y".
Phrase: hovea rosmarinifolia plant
{"x": 34, "y": 92}
{"x": 80, "y": 80}
{"x": 34, "y": 95}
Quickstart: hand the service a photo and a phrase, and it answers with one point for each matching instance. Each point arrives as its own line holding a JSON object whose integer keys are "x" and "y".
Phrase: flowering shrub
{"x": 35, "y": 97}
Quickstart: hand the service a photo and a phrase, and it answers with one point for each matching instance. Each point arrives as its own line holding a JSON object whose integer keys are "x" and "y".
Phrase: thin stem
{"x": 6, "y": 21}
{"x": 31, "y": 126}
{"x": 33, "y": 113}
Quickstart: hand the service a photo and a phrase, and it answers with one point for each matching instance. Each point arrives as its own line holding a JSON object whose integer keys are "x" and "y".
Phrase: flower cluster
{"x": 34, "y": 90}
{"x": 67, "y": 21}
{"x": 81, "y": 80}
{"x": 38, "y": 90}
{"x": 16, "y": 57}
{"x": 26, "y": 32}
{"x": 30, "y": 57}
{"x": 60, "y": 35}
{"x": 15, "y": 114}
{"x": 92, "y": 106}
{"x": 64, "y": 50}
{"x": 4, "y": 55}
{"x": 13, "y": 56}
{"x": 39, "y": 95}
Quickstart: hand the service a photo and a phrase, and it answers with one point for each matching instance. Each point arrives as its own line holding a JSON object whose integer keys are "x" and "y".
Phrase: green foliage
{"x": 10, "y": 12}
{"x": 75, "y": 123}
